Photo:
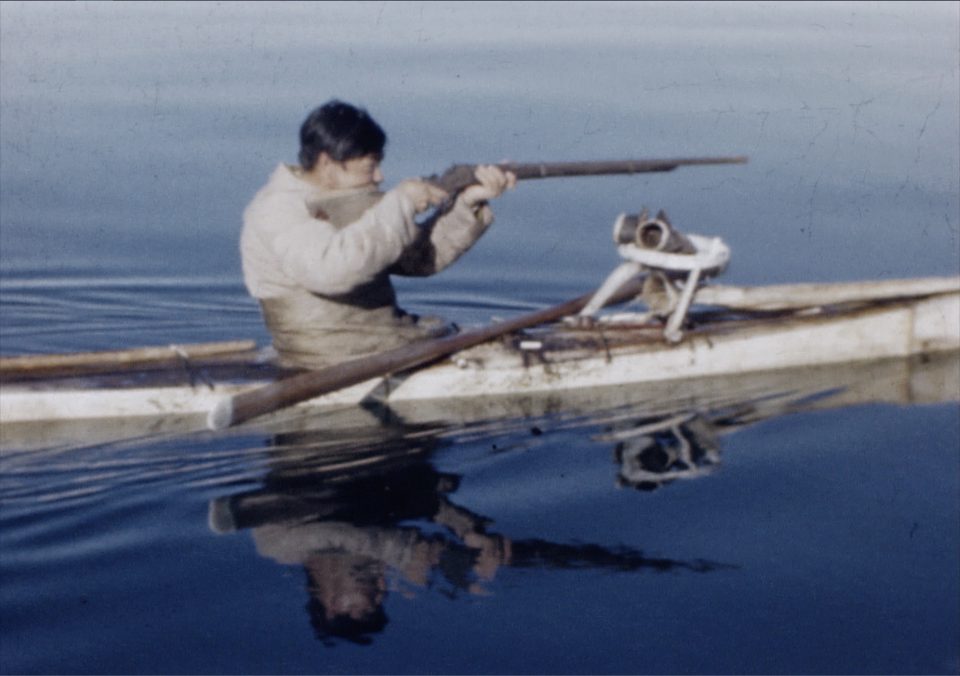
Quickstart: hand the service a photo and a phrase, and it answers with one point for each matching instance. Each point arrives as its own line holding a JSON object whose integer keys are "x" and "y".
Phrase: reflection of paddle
{"x": 289, "y": 391}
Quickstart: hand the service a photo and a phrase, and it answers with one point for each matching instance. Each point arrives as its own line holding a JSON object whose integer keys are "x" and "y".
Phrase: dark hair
{"x": 342, "y": 131}
{"x": 328, "y": 627}
{"x": 342, "y": 627}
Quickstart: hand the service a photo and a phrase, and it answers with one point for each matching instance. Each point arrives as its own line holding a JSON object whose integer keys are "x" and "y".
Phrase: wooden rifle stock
{"x": 459, "y": 176}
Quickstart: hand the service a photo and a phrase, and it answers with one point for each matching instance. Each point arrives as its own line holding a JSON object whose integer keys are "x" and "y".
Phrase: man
{"x": 320, "y": 242}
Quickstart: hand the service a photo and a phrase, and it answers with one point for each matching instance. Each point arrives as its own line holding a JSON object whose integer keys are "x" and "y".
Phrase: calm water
{"x": 819, "y": 533}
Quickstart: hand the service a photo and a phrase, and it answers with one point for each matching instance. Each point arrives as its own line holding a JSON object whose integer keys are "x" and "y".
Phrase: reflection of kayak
{"x": 321, "y": 477}
{"x": 857, "y": 323}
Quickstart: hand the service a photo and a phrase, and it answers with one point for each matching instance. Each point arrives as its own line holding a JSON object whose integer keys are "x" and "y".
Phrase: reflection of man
{"x": 349, "y": 541}
{"x": 361, "y": 519}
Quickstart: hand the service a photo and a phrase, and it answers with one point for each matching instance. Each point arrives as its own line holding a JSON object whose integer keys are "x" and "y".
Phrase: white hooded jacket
{"x": 324, "y": 287}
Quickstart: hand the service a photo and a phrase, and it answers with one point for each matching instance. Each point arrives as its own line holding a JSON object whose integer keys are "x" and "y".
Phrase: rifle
{"x": 460, "y": 176}
{"x": 344, "y": 209}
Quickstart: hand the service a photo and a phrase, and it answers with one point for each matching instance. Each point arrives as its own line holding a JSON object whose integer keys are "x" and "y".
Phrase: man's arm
{"x": 450, "y": 234}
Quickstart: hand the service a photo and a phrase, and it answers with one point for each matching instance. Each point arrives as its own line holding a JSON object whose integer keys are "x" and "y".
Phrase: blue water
{"x": 133, "y": 135}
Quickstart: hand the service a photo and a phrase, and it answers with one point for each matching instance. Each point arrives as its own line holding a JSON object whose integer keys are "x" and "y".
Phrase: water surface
{"x": 817, "y": 534}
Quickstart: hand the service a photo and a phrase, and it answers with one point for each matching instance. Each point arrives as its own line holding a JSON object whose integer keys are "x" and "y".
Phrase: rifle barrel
{"x": 552, "y": 169}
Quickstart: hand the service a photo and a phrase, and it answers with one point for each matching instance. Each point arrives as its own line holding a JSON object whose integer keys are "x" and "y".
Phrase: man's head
{"x": 341, "y": 131}
{"x": 347, "y": 592}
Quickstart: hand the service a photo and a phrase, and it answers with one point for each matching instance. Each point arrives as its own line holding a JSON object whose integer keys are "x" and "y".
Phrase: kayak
{"x": 729, "y": 331}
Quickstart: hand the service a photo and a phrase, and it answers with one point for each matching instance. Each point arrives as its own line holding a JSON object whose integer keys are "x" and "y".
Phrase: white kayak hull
{"x": 891, "y": 329}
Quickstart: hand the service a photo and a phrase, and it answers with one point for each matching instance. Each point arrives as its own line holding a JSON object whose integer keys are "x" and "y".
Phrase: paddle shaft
{"x": 289, "y": 391}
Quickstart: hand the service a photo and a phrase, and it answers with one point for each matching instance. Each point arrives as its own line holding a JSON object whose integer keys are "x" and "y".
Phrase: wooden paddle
{"x": 289, "y": 391}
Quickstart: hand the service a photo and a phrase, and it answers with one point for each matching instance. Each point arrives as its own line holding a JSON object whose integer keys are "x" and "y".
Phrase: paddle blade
{"x": 221, "y": 416}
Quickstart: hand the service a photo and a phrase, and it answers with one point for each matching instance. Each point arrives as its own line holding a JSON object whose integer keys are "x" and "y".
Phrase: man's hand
{"x": 492, "y": 182}
{"x": 423, "y": 195}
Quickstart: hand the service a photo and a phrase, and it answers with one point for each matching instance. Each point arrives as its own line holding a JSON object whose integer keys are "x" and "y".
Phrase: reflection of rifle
{"x": 459, "y": 176}
{"x": 537, "y": 553}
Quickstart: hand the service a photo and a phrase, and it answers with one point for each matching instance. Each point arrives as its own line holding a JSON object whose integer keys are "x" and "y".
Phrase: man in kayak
{"x": 320, "y": 242}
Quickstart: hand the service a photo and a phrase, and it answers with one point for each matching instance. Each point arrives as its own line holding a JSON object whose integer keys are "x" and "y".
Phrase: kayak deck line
{"x": 46, "y": 365}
